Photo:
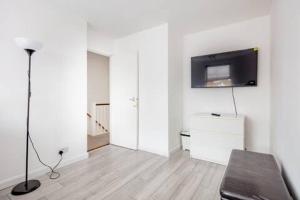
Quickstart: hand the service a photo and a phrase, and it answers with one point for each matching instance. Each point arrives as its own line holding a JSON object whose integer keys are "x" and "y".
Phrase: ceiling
{"x": 117, "y": 18}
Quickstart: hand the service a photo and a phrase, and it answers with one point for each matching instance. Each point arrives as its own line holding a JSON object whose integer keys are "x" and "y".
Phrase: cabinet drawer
{"x": 230, "y": 125}
{"x": 215, "y": 147}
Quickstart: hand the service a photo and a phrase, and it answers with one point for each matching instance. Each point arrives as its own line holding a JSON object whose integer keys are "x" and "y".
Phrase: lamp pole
{"x": 28, "y": 185}
{"x": 29, "y": 52}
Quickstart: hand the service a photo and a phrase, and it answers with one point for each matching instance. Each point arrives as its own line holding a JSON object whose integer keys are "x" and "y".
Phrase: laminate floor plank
{"x": 123, "y": 178}
{"x": 39, "y": 193}
{"x": 82, "y": 184}
{"x": 5, "y": 197}
{"x": 101, "y": 178}
{"x": 160, "y": 176}
{"x": 190, "y": 184}
{"x": 208, "y": 187}
{"x": 116, "y": 173}
{"x": 173, "y": 182}
{"x": 131, "y": 188}
{"x": 102, "y": 164}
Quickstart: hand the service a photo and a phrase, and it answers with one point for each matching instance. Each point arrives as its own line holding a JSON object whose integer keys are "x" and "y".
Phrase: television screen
{"x": 230, "y": 69}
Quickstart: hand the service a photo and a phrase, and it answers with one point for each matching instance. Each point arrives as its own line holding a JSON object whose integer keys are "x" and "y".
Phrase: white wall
{"x": 58, "y": 109}
{"x": 285, "y": 88}
{"x": 152, "y": 46}
{"x": 98, "y": 43}
{"x": 175, "y": 87}
{"x": 253, "y": 102}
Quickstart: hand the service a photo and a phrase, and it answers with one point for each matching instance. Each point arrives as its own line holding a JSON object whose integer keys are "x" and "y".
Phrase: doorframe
{"x": 138, "y": 102}
{"x": 86, "y": 112}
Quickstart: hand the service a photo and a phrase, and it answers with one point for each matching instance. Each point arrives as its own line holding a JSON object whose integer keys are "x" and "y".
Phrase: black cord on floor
{"x": 233, "y": 98}
{"x": 52, "y": 174}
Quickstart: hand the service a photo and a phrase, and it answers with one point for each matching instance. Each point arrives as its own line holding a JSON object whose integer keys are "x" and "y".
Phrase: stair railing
{"x": 100, "y": 119}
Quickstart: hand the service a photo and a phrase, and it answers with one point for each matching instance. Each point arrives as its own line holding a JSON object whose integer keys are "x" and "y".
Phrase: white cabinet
{"x": 213, "y": 138}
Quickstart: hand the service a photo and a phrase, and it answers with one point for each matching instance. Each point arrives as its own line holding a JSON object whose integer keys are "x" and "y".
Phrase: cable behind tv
{"x": 234, "y": 104}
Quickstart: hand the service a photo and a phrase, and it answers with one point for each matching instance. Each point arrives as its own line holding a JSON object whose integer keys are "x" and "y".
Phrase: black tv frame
{"x": 215, "y": 57}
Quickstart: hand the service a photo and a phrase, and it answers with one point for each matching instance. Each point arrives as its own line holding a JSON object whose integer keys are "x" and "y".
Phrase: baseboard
{"x": 174, "y": 150}
{"x": 166, "y": 154}
{"x": 39, "y": 171}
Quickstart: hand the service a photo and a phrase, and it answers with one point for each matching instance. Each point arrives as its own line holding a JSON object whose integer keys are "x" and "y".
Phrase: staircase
{"x": 98, "y": 120}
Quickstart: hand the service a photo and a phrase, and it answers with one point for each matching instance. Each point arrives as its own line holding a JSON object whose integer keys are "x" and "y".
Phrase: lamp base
{"x": 20, "y": 189}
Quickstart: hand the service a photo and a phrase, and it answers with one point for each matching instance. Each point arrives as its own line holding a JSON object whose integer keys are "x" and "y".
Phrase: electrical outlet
{"x": 64, "y": 150}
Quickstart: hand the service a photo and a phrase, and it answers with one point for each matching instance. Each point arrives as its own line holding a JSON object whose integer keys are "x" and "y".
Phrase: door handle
{"x": 132, "y": 99}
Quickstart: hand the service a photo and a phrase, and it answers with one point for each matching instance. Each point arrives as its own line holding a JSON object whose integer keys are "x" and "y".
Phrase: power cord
{"x": 52, "y": 174}
{"x": 233, "y": 98}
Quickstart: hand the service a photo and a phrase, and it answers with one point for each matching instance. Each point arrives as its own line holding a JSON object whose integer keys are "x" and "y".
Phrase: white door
{"x": 124, "y": 100}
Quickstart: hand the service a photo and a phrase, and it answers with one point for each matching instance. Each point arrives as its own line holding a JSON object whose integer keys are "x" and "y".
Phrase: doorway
{"x": 98, "y": 101}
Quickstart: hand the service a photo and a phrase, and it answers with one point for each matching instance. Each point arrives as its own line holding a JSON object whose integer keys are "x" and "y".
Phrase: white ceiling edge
{"x": 115, "y": 18}
{"x": 227, "y": 24}
{"x": 103, "y": 45}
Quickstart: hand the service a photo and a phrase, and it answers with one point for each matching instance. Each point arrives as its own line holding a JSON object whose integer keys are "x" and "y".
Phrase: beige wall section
{"x": 97, "y": 91}
{"x": 98, "y": 79}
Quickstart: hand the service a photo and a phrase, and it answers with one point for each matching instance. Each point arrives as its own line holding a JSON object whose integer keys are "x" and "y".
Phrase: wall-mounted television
{"x": 229, "y": 69}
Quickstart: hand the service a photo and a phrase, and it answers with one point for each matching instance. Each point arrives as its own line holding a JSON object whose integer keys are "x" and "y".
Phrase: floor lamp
{"x": 27, "y": 186}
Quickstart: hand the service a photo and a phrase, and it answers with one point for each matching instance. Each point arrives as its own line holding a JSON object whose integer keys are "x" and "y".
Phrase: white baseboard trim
{"x": 174, "y": 150}
{"x": 118, "y": 145}
{"x": 39, "y": 171}
{"x": 166, "y": 154}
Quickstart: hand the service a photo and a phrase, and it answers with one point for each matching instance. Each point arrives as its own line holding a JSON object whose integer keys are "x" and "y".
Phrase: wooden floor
{"x": 94, "y": 142}
{"x": 114, "y": 173}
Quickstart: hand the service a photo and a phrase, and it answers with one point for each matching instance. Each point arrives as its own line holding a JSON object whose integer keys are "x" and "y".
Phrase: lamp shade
{"x": 26, "y": 43}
